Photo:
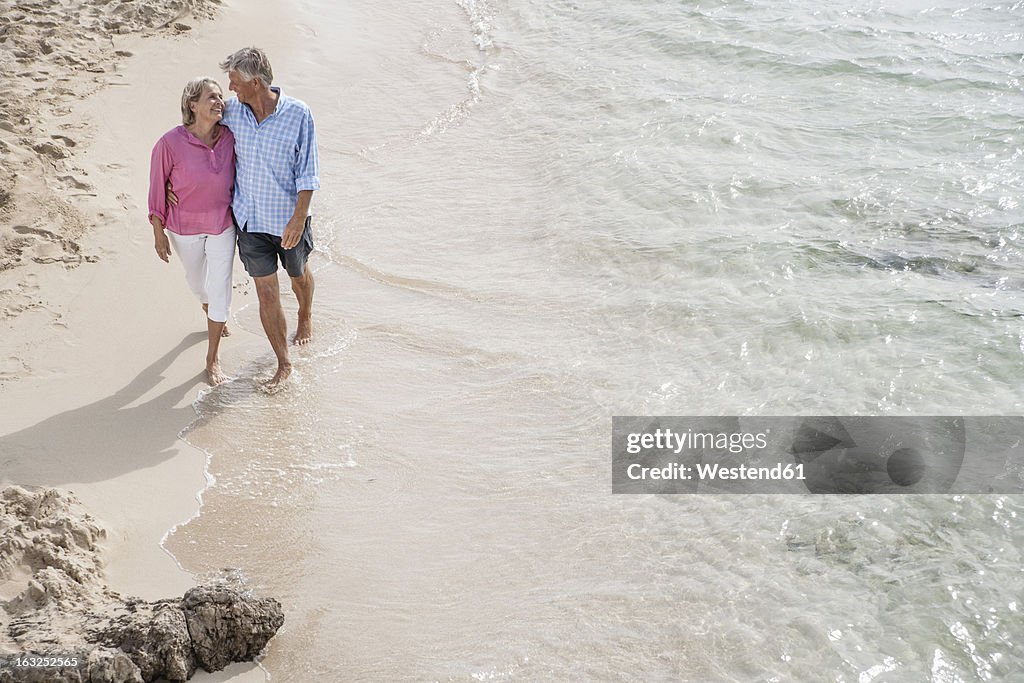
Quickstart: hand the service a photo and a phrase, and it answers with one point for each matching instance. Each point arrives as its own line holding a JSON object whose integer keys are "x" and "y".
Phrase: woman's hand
{"x": 162, "y": 246}
{"x": 160, "y": 241}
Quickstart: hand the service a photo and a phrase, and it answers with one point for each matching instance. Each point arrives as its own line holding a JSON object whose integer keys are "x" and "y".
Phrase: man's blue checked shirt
{"x": 275, "y": 160}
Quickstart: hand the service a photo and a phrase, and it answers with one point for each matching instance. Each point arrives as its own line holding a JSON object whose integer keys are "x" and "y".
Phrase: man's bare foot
{"x": 214, "y": 374}
{"x": 304, "y": 332}
{"x": 277, "y": 381}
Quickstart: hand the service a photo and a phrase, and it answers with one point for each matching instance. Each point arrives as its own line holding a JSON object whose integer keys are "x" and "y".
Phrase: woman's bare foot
{"x": 214, "y": 374}
{"x": 214, "y": 332}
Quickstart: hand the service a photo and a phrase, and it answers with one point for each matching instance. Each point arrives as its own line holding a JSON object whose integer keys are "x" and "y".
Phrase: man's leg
{"x": 303, "y": 287}
{"x": 272, "y": 317}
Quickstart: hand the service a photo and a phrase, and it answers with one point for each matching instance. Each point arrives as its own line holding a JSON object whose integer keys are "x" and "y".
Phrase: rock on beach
{"x": 66, "y": 617}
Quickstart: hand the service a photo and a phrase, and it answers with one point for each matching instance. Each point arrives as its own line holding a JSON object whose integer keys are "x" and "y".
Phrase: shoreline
{"x": 105, "y": 345}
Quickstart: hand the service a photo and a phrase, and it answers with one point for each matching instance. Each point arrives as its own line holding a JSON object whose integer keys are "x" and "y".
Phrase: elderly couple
{"x": 249, "y": 162}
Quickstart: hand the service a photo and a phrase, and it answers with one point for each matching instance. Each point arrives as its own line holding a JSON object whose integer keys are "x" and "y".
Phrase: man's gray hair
{"x": 192, "y": 92}
{"x": 252, "y": 63}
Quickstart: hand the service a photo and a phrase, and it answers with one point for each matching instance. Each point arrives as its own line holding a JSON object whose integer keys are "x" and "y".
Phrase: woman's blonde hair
{"x": 193, "y": 90}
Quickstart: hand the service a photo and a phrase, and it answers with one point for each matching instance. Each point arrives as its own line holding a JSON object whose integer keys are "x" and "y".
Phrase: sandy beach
{"x": 103, "y": 345}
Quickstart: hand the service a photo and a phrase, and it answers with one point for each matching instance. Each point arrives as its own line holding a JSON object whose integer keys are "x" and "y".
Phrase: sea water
{"x": 537, "y": 215}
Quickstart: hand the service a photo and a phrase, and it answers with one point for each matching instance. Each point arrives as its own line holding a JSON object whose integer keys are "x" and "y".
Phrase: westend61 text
{"x": 714, "y": 472}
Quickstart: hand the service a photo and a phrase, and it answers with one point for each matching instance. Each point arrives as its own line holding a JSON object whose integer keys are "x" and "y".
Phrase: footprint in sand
{"x": 13, "y": 367}
{"x": 23, "y": 297}
{"x": 51, "y": 149}
{"x": 43, "y": 246}
{"x": 25, "y": 230}
{"x": 72, "y": 181}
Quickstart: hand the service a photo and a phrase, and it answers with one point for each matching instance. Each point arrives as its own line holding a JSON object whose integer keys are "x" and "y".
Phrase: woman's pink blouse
{"x": 203, "y": 179}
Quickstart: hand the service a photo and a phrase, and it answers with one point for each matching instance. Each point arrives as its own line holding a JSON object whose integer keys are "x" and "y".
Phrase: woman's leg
{"x": 191, "y": 251}
{"x": 214, "y": 332}
{"x": 225, "y": 332}
{"x": 220, "y": 259}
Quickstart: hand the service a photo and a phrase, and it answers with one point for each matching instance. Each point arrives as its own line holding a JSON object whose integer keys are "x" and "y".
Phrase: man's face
{"x": 246, "y": 90}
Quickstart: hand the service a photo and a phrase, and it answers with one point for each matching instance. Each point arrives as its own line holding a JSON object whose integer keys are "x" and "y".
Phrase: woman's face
{"x": 210, "y": 105}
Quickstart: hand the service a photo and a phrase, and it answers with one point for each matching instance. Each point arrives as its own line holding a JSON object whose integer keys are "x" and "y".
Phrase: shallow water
{"x": 539, "y": 215}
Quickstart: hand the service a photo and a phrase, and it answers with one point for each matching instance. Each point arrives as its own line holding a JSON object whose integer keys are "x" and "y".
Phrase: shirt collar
{"x": 282, "y": 103}
{"x": 193, "y": 140}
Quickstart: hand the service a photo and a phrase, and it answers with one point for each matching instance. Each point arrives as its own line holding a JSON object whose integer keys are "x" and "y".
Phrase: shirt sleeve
{"x": 160, "y": 165}
{"x": 307, "y": 161}
{"x": 230, "y": 118}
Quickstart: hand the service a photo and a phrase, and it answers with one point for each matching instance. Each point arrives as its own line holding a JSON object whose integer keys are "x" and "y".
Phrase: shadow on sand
{"x": 107, "y": 438}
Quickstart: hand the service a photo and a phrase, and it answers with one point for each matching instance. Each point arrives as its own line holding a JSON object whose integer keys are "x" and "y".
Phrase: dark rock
{"x": 154, "y": 636}
{"x": 229, "y": 626}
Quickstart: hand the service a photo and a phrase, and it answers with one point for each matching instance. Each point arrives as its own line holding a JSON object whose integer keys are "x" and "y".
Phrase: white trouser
{"x": 208, "y": 260}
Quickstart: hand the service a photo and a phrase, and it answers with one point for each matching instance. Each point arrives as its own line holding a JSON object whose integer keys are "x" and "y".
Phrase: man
{"x": 277, "y": 170}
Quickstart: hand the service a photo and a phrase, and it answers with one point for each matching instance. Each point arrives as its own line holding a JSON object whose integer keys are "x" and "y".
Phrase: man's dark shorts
{"x": 261, "y": 252}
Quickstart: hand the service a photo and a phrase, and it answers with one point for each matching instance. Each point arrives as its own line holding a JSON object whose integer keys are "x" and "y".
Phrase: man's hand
{"x": 172, "y": 198}
{"x": 293, "y": 232}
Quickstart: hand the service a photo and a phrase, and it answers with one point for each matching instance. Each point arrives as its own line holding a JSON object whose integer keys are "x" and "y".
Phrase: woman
{"x": 198, "y": 158}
